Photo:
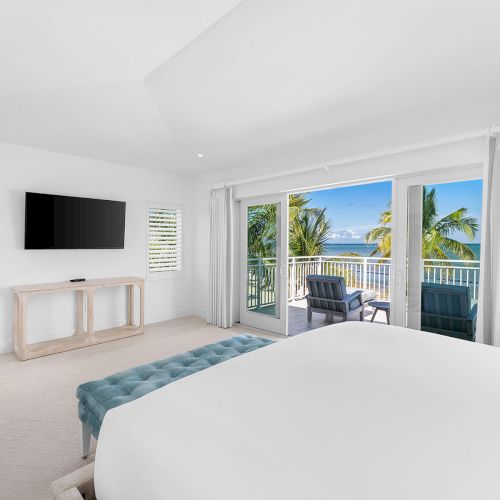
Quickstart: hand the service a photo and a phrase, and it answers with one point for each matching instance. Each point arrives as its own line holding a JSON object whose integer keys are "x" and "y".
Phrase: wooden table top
{"x": 78, "y": 285}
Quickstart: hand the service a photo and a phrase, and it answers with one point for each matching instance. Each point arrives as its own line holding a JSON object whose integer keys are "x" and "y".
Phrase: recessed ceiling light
{"x": 200, "y": 155}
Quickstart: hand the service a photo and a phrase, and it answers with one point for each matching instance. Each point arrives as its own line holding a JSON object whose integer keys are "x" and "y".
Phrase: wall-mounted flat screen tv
{"x": 66, "y": 222}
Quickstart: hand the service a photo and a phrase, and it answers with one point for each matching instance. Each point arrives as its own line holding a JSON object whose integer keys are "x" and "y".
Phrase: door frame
{"x": 258, "y": 320}
{"x": 400, "y": 223}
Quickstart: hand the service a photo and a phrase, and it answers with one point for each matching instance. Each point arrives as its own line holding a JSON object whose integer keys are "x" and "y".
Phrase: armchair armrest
{"x": 471, "y": 322}
{"x": 355, "y": 299}
{"x": 473, "y": 313}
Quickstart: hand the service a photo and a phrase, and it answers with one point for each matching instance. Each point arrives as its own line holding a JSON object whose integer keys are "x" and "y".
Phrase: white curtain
{"x": 220, "y": 300}
{"x": 488, "y": 321}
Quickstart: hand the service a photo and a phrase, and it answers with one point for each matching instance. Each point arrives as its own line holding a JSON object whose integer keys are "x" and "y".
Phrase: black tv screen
{"x": 66, "y": 222}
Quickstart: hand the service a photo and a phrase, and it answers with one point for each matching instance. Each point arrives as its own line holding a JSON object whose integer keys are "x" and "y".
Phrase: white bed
{"x": 350, "y": 412}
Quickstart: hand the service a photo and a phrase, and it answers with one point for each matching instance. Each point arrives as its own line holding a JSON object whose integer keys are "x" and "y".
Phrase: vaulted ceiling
{"x": 153, "y": 83}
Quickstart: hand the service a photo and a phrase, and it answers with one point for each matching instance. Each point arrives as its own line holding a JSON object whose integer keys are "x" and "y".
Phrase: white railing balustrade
{"x": 261, "y": 283}
{"x": 358, "y": 272}
{"x": 370, "y": 273}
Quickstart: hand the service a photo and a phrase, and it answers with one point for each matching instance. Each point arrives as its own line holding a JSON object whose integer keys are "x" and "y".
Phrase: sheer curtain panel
{"x": 220, "y": 299}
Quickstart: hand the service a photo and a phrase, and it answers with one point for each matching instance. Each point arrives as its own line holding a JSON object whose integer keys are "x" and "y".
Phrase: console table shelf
{"x": 85, "y": 291}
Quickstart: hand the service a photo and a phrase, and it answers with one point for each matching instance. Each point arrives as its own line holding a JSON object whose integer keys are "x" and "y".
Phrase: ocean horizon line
{"x": 366, "y": 249}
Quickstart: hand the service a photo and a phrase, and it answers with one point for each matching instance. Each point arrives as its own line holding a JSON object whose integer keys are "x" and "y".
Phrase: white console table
{"x": 82, "y": 337}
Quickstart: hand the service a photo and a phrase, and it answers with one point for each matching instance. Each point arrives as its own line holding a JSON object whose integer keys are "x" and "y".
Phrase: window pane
{"x": 165, "y": 239}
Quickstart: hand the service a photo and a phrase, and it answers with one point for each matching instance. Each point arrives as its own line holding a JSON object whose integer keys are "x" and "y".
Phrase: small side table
{"x": 381, "y": 305}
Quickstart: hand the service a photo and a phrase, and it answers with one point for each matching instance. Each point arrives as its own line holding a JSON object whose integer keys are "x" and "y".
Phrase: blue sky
{"x": 354, "y": 210}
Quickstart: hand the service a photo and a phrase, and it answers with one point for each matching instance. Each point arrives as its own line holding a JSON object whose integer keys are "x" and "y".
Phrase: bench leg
{"x": 85, "y": 441}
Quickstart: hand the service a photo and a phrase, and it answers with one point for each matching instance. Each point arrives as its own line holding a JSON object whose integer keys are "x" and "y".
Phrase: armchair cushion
{"x": 355, "y": 300}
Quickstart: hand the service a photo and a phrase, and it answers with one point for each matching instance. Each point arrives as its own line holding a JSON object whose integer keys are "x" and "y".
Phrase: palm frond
{"x": 458, "y": 222}
{"x": 458, "y": 249}
{"x": 437, "y": 242}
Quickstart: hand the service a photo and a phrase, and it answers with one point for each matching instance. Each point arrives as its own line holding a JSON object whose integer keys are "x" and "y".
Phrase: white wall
{"x": 463, "y": 153}
{"x": 26, "y": 169}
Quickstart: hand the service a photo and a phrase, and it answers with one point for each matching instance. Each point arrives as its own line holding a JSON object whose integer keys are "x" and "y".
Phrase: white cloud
{"x": 345, "y": 234}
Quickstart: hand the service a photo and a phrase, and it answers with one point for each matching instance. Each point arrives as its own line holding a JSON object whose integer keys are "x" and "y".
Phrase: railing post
{"x": 259, "y": 271}
{"x": 293, "y": 280}
{"x": 365, "y": 272}
{"x": 320, "y": 261}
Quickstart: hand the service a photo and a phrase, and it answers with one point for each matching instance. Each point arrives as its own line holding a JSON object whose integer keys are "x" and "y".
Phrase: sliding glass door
{"x": 437, "y": 252}
{"x": 264, "y": 254}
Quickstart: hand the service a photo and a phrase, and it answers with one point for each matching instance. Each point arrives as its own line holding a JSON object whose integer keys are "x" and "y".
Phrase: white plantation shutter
{"x": 164, "y": 239}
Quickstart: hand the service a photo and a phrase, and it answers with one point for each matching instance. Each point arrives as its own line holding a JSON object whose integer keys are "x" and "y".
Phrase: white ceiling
{"x": 152, "y": 83}
{"x": 53, "y": 44}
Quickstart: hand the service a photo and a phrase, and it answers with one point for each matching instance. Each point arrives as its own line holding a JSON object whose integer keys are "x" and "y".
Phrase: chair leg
{"x": 374, "y": 313}
{"x": 85, "y": 441}
{"x": 344, "y": 317}
{"x": 362, "y": 315}
{"x": 388, "y": 314}
{"x": 309, "y": 314}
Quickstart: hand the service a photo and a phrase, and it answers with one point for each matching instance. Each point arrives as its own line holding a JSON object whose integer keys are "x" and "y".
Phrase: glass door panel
{"x": 443, "y": 262}
{"x": 264, "y": 255}
{"x": 262, "y": 266}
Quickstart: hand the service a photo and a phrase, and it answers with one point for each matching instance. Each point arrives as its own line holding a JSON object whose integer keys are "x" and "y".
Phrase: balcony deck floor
{"x": 297, "y": 318}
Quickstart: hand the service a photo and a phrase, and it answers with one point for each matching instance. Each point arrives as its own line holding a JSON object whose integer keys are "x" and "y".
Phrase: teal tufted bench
{"x": 97, "y": 397}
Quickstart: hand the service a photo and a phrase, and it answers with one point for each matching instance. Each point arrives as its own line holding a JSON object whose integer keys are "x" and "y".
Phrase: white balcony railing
{"x": 371, "y": 273}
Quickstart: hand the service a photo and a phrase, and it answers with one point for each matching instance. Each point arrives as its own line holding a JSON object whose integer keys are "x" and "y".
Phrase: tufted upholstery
{"x": 99, "y": 396}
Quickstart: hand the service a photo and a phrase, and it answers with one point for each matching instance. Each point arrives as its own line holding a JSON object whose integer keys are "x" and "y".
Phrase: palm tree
{"x": 309, "y": 232}
{"x": 262, "y": 231}
{"x": 436, "y": 232}
{"x": 308, "y": 228}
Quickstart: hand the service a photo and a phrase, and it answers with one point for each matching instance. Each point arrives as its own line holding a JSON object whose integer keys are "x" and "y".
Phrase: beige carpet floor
{"x": 39, "y": 426}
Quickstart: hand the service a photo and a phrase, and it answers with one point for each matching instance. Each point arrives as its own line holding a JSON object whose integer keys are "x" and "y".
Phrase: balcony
{"x": 369, "y": 273}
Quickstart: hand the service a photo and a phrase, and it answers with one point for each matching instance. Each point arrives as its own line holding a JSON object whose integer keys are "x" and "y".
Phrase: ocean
{"x": 365, "y": 249}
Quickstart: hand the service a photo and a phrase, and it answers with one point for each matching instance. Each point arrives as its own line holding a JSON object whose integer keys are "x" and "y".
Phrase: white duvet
{"x": 350, "y": 412}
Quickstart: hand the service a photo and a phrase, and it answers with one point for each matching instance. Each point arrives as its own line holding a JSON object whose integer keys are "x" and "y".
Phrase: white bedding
{"x": 350, "y": 412}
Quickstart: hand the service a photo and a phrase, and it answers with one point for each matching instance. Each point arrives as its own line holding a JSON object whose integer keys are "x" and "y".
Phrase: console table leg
{"x": 19, "y": 344}
{"x": 141, "y": 286}
{"x": 79, "y": 312}
{"x": 90, "y": 314}
{"x": 131, "y": 304}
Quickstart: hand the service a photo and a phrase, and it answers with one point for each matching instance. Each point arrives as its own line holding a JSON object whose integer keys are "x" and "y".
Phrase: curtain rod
{"x": 490, "y": 131}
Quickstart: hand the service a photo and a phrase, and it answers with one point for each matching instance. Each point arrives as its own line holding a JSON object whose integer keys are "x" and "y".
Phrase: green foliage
{"x": 309, "y": 229}
{"x": 262, "y": 231}
{"x": 436, "y": 232}
{"x": 309, "y": 232}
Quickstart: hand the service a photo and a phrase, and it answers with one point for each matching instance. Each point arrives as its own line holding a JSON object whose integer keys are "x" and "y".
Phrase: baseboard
{"x": 200, "y": 311}
{"x": 8, "y": 348}
{"x": 180, "y": 312}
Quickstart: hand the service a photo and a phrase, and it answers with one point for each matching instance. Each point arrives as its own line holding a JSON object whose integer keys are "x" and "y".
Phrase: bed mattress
{"x": 351, "y": 412}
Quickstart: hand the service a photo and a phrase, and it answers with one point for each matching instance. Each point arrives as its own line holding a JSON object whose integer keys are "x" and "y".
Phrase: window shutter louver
{"x": 164, "y": 239}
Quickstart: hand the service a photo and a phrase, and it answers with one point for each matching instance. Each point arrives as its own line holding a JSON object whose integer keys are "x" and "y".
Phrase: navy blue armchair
{"x": 328, "y": 295}
{"x": 446, "y": 309}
